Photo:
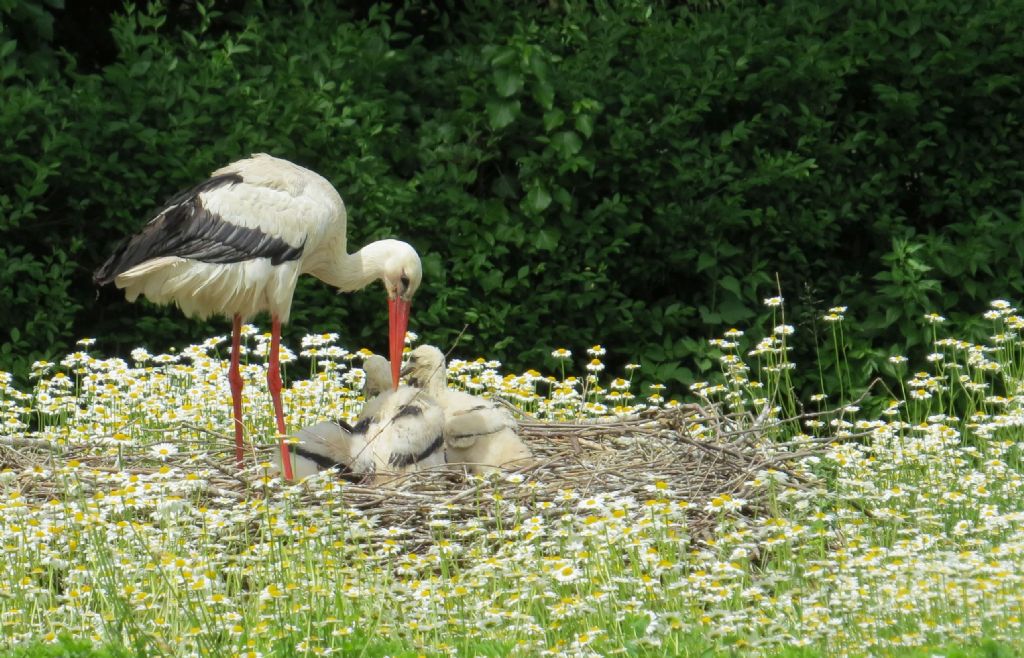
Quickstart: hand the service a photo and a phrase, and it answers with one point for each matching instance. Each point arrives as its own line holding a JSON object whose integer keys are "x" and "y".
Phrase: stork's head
{"x": 425, "y": 369}
{"x": 402, "y": 273}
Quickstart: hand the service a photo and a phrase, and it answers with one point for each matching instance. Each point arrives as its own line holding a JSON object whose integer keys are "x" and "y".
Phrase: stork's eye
{"x": 405, "y": 281}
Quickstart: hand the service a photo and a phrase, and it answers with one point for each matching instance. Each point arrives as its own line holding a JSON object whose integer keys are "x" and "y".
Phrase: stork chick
{"x": 405, "y": 435}
{"x": 405, "y": 427}
{"x": 376, "y": 383}
{"x": 398, "y": 431}
{"x": 477, "y": 432}
{"x": 331, "y": 444}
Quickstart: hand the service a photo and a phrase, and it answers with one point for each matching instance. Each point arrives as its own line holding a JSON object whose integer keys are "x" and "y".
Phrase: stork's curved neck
{"x": 348, "y": 272}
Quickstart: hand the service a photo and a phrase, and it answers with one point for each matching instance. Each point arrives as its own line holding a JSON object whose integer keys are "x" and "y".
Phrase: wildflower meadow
{"x": 894, "y": 527}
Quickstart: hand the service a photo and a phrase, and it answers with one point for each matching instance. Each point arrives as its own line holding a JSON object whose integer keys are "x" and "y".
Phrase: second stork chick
{"x": 404, "y": 427}
{"x": 477, "y": 433}
{"x": 331, "y": 444}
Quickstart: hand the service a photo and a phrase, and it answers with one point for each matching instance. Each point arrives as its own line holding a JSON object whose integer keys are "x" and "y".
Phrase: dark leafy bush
{"x": 640, "y": 177}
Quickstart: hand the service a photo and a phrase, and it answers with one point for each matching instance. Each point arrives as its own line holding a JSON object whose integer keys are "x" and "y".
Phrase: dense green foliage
{"x": 633, "y": 175}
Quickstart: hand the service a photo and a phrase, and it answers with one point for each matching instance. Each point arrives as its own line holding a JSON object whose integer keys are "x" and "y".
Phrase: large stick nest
{"x": 699, "y": 452}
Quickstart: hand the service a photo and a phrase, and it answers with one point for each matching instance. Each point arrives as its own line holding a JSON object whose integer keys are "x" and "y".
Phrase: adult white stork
{"x": 235, "y": 245}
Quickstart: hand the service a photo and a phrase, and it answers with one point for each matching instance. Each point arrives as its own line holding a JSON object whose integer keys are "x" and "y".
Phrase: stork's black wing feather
{"x": 184, "y": 228}
{"x": 403, "y": 459}
{"x": 323, "y": 463}
{"x": 343, "y": 424}
{"x": 407, "y": 410}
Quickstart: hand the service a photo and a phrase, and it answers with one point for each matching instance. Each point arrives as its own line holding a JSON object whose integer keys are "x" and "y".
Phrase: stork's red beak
{"x": 398, "y": 316}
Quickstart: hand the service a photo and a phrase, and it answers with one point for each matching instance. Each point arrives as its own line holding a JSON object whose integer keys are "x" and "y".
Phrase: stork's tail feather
{"x": 108, "y": 271}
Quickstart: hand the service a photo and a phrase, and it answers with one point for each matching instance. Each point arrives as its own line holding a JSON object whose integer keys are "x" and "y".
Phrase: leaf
{"x": 563, "y": 197}
{"x": 546, "y": 239}
{"x": 538, "y": 65}
{"x": 708, "y": 316}
{"x": 544, "y": 94}
{"x": 733, "y": 311}
{"x": 553, "y": 119}
{"x": 585, "y": 124}
{"x": 505, "y": 55}
{"x": 567, "y": 142}
{"x": 706, "y": 260}
{"x": 502, "y": 113}
{"x": 731, "y": 284}
{"x": 139, "y": 68}
{"x": 508, "y": 82}
{"x": 490, "y": 280}
{"x": 538, "y": 199}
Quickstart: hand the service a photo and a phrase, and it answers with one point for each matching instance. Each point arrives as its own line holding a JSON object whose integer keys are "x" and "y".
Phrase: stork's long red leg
{"x": 274, "y": 384}
{"x": 235, "y": 378}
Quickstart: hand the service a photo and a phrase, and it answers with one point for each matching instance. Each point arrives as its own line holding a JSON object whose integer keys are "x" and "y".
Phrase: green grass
{"x": 981, "y": 649}
{"x": 898, "y": 533}
{"x": 69, "y": 648}
{"x": 64, "y": 648}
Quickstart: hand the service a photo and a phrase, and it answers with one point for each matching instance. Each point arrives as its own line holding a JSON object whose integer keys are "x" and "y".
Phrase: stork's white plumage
{"x": 236, "y": 244}
{"x": 478, "y": 433}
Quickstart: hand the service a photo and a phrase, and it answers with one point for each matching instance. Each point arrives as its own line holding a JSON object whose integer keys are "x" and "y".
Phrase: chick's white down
{"x": 398, "y": 431}
{"x": 418, "y": 426}
{"x": 477, "y": 433}
{"x": 329, "y": 444}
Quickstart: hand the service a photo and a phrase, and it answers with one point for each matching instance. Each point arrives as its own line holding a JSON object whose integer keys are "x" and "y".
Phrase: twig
{"x": 39, "y": 444}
